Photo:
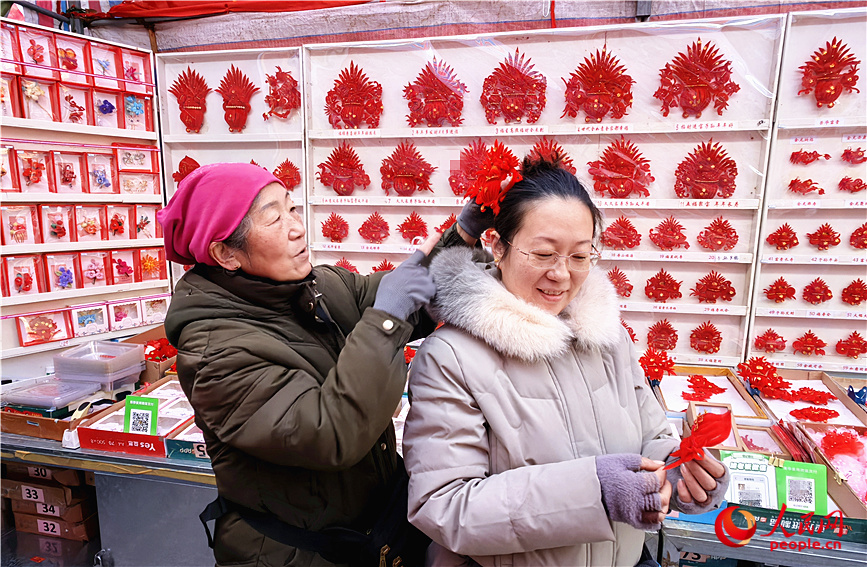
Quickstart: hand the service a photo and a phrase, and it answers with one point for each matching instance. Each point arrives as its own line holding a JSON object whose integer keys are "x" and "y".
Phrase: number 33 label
{"x": 32, "y": 494}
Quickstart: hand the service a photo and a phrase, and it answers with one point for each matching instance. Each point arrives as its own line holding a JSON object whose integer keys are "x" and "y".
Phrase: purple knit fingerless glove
{"x": 714, "y": 497}
{"x": 627, "y": 491}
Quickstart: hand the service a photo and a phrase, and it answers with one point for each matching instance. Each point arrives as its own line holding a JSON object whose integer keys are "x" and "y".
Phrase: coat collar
{"x": 471, "y": 297}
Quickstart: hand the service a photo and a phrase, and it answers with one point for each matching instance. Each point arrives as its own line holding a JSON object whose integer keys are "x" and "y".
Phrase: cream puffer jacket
{"x": 510, "y": 405}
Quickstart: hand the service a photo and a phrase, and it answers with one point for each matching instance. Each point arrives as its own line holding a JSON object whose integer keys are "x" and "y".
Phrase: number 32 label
{"x": 46, "y": 527}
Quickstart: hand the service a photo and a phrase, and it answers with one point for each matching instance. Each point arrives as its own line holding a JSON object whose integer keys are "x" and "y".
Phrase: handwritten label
{"x": 709, "y": 204}
{"x": 854, "y": 203}
{"x": 663, "y": 307}
{"x": 808, "y": 204}
{"x": 32, "y": 494}
{"x": 603, "y": 128}
{"x": 703, "y": 126}
{"x": 718, "y": 310}
{"x": 818, "y": 314}
{"x": 331, "y": 246}
{"x": 803, "y": 140}
{"x": 410, "y": 200}
{"x": 617, "y": 255}
{"x": 359, "y": 133}
{"x": 343, "y": 200}
{"x": 625, "y": 203}
{"x": 828, "y": 122}
{"x": 824, "y": 260}
{"x": 519, "y": 129}
{"x": 371, "y": 247}
{"x": 50, "y": 547}
{"x": 407, "y": 248}
{"x": 437, "y": 131}
{"x": 854, "y": 138}
{"x": 723, "y": 258}
{"x": 782, "y": 312}
{"x": 709, "y": 359}
{"x": 853, "y": 368}
{"x": 39, "y": 472}
{"x": 670, "y": 256}
{"x": 859, "y": 259}
{"x": 810, "y": 365}
{"x": 46, "y": 527}
{"x": 624, "y": 306}
{"x": 856, "y": 315}
{"x": 778, "y": 260}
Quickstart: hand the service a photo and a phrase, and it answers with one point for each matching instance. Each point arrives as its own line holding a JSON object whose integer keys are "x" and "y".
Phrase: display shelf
{"x": 798, "y": 363}
{"x": 702, "y": 309}
{"x": 45, "y": 347}
{"x": 376, "y": 201}
{"x": 16, "y": 249}
{"x": 716, "y": 257}
{"x": 705, "y": 359}
{"x": 233, "y": 138}
{"x": 49, "y": 126}
{"x": 812, "y": 313}
{"x": 84, "y": 292}
{"x": 850, "y": 259}
{"x": 73, "y": 198}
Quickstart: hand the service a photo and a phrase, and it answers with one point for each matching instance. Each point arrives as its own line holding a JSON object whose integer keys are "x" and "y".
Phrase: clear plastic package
{"x": 109, "y": 382}
{"x": 98, "y": 358}
{"x": 49, "y": 392}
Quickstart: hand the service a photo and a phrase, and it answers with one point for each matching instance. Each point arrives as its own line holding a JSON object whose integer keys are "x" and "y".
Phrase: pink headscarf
{"x": 208, "y": 206}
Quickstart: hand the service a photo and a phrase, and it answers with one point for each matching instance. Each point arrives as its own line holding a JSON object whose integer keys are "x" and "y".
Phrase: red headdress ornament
{"x": 598, "y": 86}
{"x": 354, "y": 100}
{"x": 237, "y": 90}
{"x": 283, "y": 96}
{"x": 435, "y": 97}
{"x": 289, "y": 174}
{"x": 707, "y": 172}
{"x": 514, "y": 90}
{"x": 830, "y": 72}
{"x": 621, "y": 171}
{"x": 496, "y": 175}
{"x": 191, "y": 90}
{"x": 406, "y": 171}
{"x": 343, "y": 170}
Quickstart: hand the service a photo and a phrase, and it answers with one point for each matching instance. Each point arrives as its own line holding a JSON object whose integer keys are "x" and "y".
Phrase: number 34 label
{"x": 32, "y": 494}
{"x": 46, "y": 527}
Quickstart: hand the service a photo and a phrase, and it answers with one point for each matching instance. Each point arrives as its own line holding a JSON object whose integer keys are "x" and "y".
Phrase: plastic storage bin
{"x": 49, "y": 393}
{"x": 108, "y": 382}
{"x": 99, "y": 358}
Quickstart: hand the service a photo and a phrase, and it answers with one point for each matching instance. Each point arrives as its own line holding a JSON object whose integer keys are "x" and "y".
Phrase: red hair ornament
{"x": 825, "y": 237}
{"x": 549, "y": 150}
{"x": 858, "y": 238}
{"x": 854, "y": 293}
{"x": 712, "y": 287}
{"x": 783, "y": 238}
{"x": 708, "y": 430}
{"x": 760, "y": 373}
{"x": 42, "y": 329}
{"x": 374, "y": 229}
{"x": 413, "y": 227}
{"x": 854, "y": 157}
{"x": 621, "y": 171}
{"x": 283, "y": 96}
{"x": 514, "y": 90}
{"x": 655, "y": 363}
{"x": 841, "y": 442}
{"x": 191, "y": 90}
{"x": 346, "y": 264}
{"x": 598, "y": 86}
{"x": 354, "y": 100}
{"x": 814, "y": 414}
{"x": 706, "y": 173}
{"x": 695, "y": 79}
{"x": 384, "y": 266}
{"x": 470, "y": 163}
{"x": 621, "y": 234}
{"x": 620, "y": 282}
{"x": 850, "y": 185}
{"x": 435, "y": 97}
{"x": 702, "y": 389}
{"x": 812, "y": 396}
{"x": 802, "y": 157}
{"x": 706, "y": 338}
{"x": 662, "y": 336}
{"x": 629, "y": 330}
{"x": 718, "y": 235}
{"x": 289, "y": 174}
{"x": 335, "y": 228}
{"x": 237, "y": 90}
{"x": 830, "y": 72}
{"x": 816, "y": 292}
{"x": 804, "y": 187}
{"x": 770, "y": 342}
{"x": 852, "y": 346}
{"x": 497, "y": 174}
{"x": 343, "y": 170}
{"x": 406, "y": 171}
{"x": 662, "y": 287}
{"x": 447, "y": 224}
{"x": 809, "y": 344}
{"x": 668, "y": 235}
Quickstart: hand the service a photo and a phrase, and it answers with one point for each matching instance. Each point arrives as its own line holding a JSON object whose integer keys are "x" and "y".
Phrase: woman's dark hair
{"x": 542, "y": 179}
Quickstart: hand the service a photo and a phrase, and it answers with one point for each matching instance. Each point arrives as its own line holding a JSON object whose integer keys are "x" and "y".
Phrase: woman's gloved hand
{"x": 407, "y": 288}
{"x": 634, "y": 489}
{"x": 473, "y": 220}
{"x": 700, "y": 485}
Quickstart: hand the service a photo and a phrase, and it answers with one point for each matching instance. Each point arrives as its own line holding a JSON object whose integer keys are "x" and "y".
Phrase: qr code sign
{"x": 140, "y": 421}
{"x": 800, "y": 493}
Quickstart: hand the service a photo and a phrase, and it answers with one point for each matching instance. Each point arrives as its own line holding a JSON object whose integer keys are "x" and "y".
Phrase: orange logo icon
{"x": 731, "y": 535}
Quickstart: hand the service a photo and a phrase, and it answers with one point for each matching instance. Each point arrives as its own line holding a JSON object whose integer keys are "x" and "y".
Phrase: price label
{"x": 803, "y": 140}
{"x": 39, "y": 472}
{"x": 603, "y": 128}
{"x": 32, "y": 494}
{"x": 48, "y": 527}
{"x": 47, "y": 509}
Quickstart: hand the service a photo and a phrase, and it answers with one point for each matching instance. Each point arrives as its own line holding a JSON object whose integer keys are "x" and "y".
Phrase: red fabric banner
{"x": 187, "y": 8}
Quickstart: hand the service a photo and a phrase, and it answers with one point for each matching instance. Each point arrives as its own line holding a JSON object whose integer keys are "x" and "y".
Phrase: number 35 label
{"x": 46, "y": 527}
{"x": 32, "y": 494}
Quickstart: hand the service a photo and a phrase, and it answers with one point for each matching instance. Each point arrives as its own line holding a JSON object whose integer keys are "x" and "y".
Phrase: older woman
{"x": 532, "y": 438}
{"x": 294, "y": 371}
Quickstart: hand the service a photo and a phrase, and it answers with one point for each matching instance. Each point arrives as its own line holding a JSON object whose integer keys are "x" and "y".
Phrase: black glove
{"x": 627, "y": 491}
{"x": 473, "y": 220}
{"x": 405, "y": 290}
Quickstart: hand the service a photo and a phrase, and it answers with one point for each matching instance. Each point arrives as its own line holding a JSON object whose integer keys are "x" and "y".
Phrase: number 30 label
{"x": 32, "y": 494}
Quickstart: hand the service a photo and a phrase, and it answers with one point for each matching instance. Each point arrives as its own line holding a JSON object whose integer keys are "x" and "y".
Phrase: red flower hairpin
{"x": 706, "y": 173}
{"x": 32, "y": 172}
{"x": 668, "y": 235}
{"x": 858, "y": 238}
{"x": 374, "y": 229}
{"x": 852, "y": 346}
{"x": 706, "y": 338}
{"x": 655, "y": 363}
{"x": 718, "y": 235}
{"x": 283, "y": 95}
{"x": 854, "y": 293}
{"x": 191, "y": 90}
{"x": 816, "y": 292}
{"x": 804, "y": 157}
{"x": 779, "y": 291}
{"x": 620, "y": 282}
{"x": 514, "y": 91}
{"x": 854, "y": 157}
{"x": 814, "y": 414}
{"x": 662, "y": 287}
{"x": 702, "y": 389}
{"x": 237, "y": 90}
{"x": 42, "y": 329}
{"x": 662, "y": 336}
{"x": 712, "y": 287}
{"x": 116, "y": 225}
{"x": 354, "y": 100}
{"x": 770, "y": 341}
{"x": 406, "y": 171}
{"x": 498, "y": 173}
{"x": 346, "y": 265}
{"x": 384, "y": 266}
{"x": 185, "y": 167}
{"x": 809, "y": 344}
{"x": 621, "y": 234}
{"x": 335, "y": 228}
{"x": 621, "y": 171}
{"x": 413, "y": 227}
{"x": 23, "y": 282}
{"x": 694, "y": 80}
{"x": 67, "y": 174}
{"x": 598, "y": 86}
{"x": 469, "y": 164}
{"x": 549, "y": 150}
{"x": 629, "y": 330}
{"x": 68, "y": 58}
{"x": 343, "y": 170}
{"x": 804, "y": 187}
{"x": 830, "y": 72}
{"x": 36, "y": 52}
{"x": 850, "y": 185}
{"x": 289, "y": 174}
{"x": 783, "y": 238}
{"x": 447, "y": 223}
{"x": 436, "y": 97}
{"x": 708, "y": 430}
{"x": 825, "y": 237}
{"x": 812, "y": 396}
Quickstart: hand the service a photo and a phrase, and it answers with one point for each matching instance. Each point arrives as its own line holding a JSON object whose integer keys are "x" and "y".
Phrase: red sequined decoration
{"x": 413, "y": 227}
{"x": 354, "y": 100}
{"x": 662, "y": 287}
{"x": 346, "y": 264}
{"x": 499, "y": 164}
{"x": 853, "y": 156}
{"x": 435, "y": 97}
{"x": 816, "y": 292}
{"x": 406, "y": 171}
{"x": 708, "y": 430}
{"x": 514, "y": 90}
{"x": 712, "y": 287}
{"x": 447, "y": 224}
{"x": 694, "y": 80}
{"x": 374, "y": 229}
{"x": 812, "y": 396}
{"x": 655, "y": 363}
{"x": 185, "y": 167}
{"x": 818, "y": 415}
{"x": 783, "y": 238}
{"x": 850, "y": 185}
{"x": 830, "y": 72}
{"x": 840, "y": 443}
{"x": 384, "y": 266}
{"x": 809, "y": 344}
{"x": 629, "y": 330}
{"x": 854, "y": 293}
{"x": 343, "y": 170}
{"x": 668, "y": 235}
{"x": 852, "y": 346}
{"x": 621, "y": 234}
{"x": 237, "y": 90}
{"x": 283, "y": 95}
{"x": 598, "y": 86}
{"x": 335, "y": 228}
{"x": 620, "y": 281}
{"x": 706, "y": 173}
{"x": 662, "y": 336}
{"x": 621, "y": 171}
{"x": 804, "y": 157}
{"x": 469, "y": 164}
{"x": 116, "y": 224}
{"x": 718, "y": 235}
{"x": 858, "y": 238}
{"x": 770, "y": 341}
{"x": 705, "y": 338}
{"x": 702, "y": 389}
{"x": 824, "y": 237}
{"x": 289, "y": 174}
{"x": 804, "y": 187}
{"x": 551, "y": 151}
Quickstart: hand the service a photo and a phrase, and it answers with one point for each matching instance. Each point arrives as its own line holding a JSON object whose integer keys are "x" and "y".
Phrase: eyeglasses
{"x": 580, "y": 262}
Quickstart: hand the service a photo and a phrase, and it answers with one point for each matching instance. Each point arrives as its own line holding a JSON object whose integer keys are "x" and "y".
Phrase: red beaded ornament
{"x": 620, "y": 281}
{"x": 335, "y": 228}
{"x": 662, "y": 287}
{"x": 551, "y": 151}
{"x": 662, "y": 336}
{"x": 718, "y": 235}
{"x": 621, "y": 171}
{"x": 852, "y": 185}
{"x": 413, "y": 227}
{"x": 818, "y": 415}
{"x": 712, "y": 287}
{"x": 343, "y": 170}
{"x": 346, "y": 264}
{"x": 514, "y": 90}
{"x": 374, "y": 229}
{"x": 655, "y": 363}
{"x": 289, "y": 174}
{"x": 706, "y": 338}
{"x": 816, "y": 292}
{"x": 830, "y": 72}
{"x": 804, "y": 187}
{"x": 283, "y": 96}
{"x": 779, "y": 291}
{"x": 809, "y": 344}
{"x": 353, "y": 100}
{"x": 629, "y": 330}
{"x": 694, "y": 80}
{"x": 236, "y": 89}
{"x": 384, "y": 266}
{"x": 406, "y": 171}
{"x": 824, "y": 237}
{"x": 470, "y": 162}
{"x": 185, "y": 167}
{"x": 852, "y": 346}
{"x": 621, "y": 234}
{"x": 435, "y": 97}
{"x": 770, "y": 341}
{"x": 858, "y": 238}
{"x": 668, "y": 235}
{"x": 706, "y": 173}
{"x": 783, "y": 238}
{"x": 191, "y": 90}
{"x": 598, "y": 86}
{"x": 854, "y": 293}
{"x": 447, "y": 224}
{"x": 804, "y": 157}
{"x": 854, "y": 157}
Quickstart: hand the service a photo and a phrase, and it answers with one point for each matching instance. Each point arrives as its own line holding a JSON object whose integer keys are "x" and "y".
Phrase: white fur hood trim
{"x": 475, "y": 300}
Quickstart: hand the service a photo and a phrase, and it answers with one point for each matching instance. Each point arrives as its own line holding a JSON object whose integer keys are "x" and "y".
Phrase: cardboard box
{"x": 185, "y": 450}
{"x": 53, "y": 527}
{"x": 39, "y": 492}
{"x": 58, "y": 552}
{"x": 43, "y": 473}
{"x": 795, "y": 376}
{"x": 154, "y": 370}
{"x": 76, "y": 512}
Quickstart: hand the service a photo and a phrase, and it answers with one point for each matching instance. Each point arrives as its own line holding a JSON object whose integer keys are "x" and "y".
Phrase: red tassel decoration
{"x": 708, "y": 430}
